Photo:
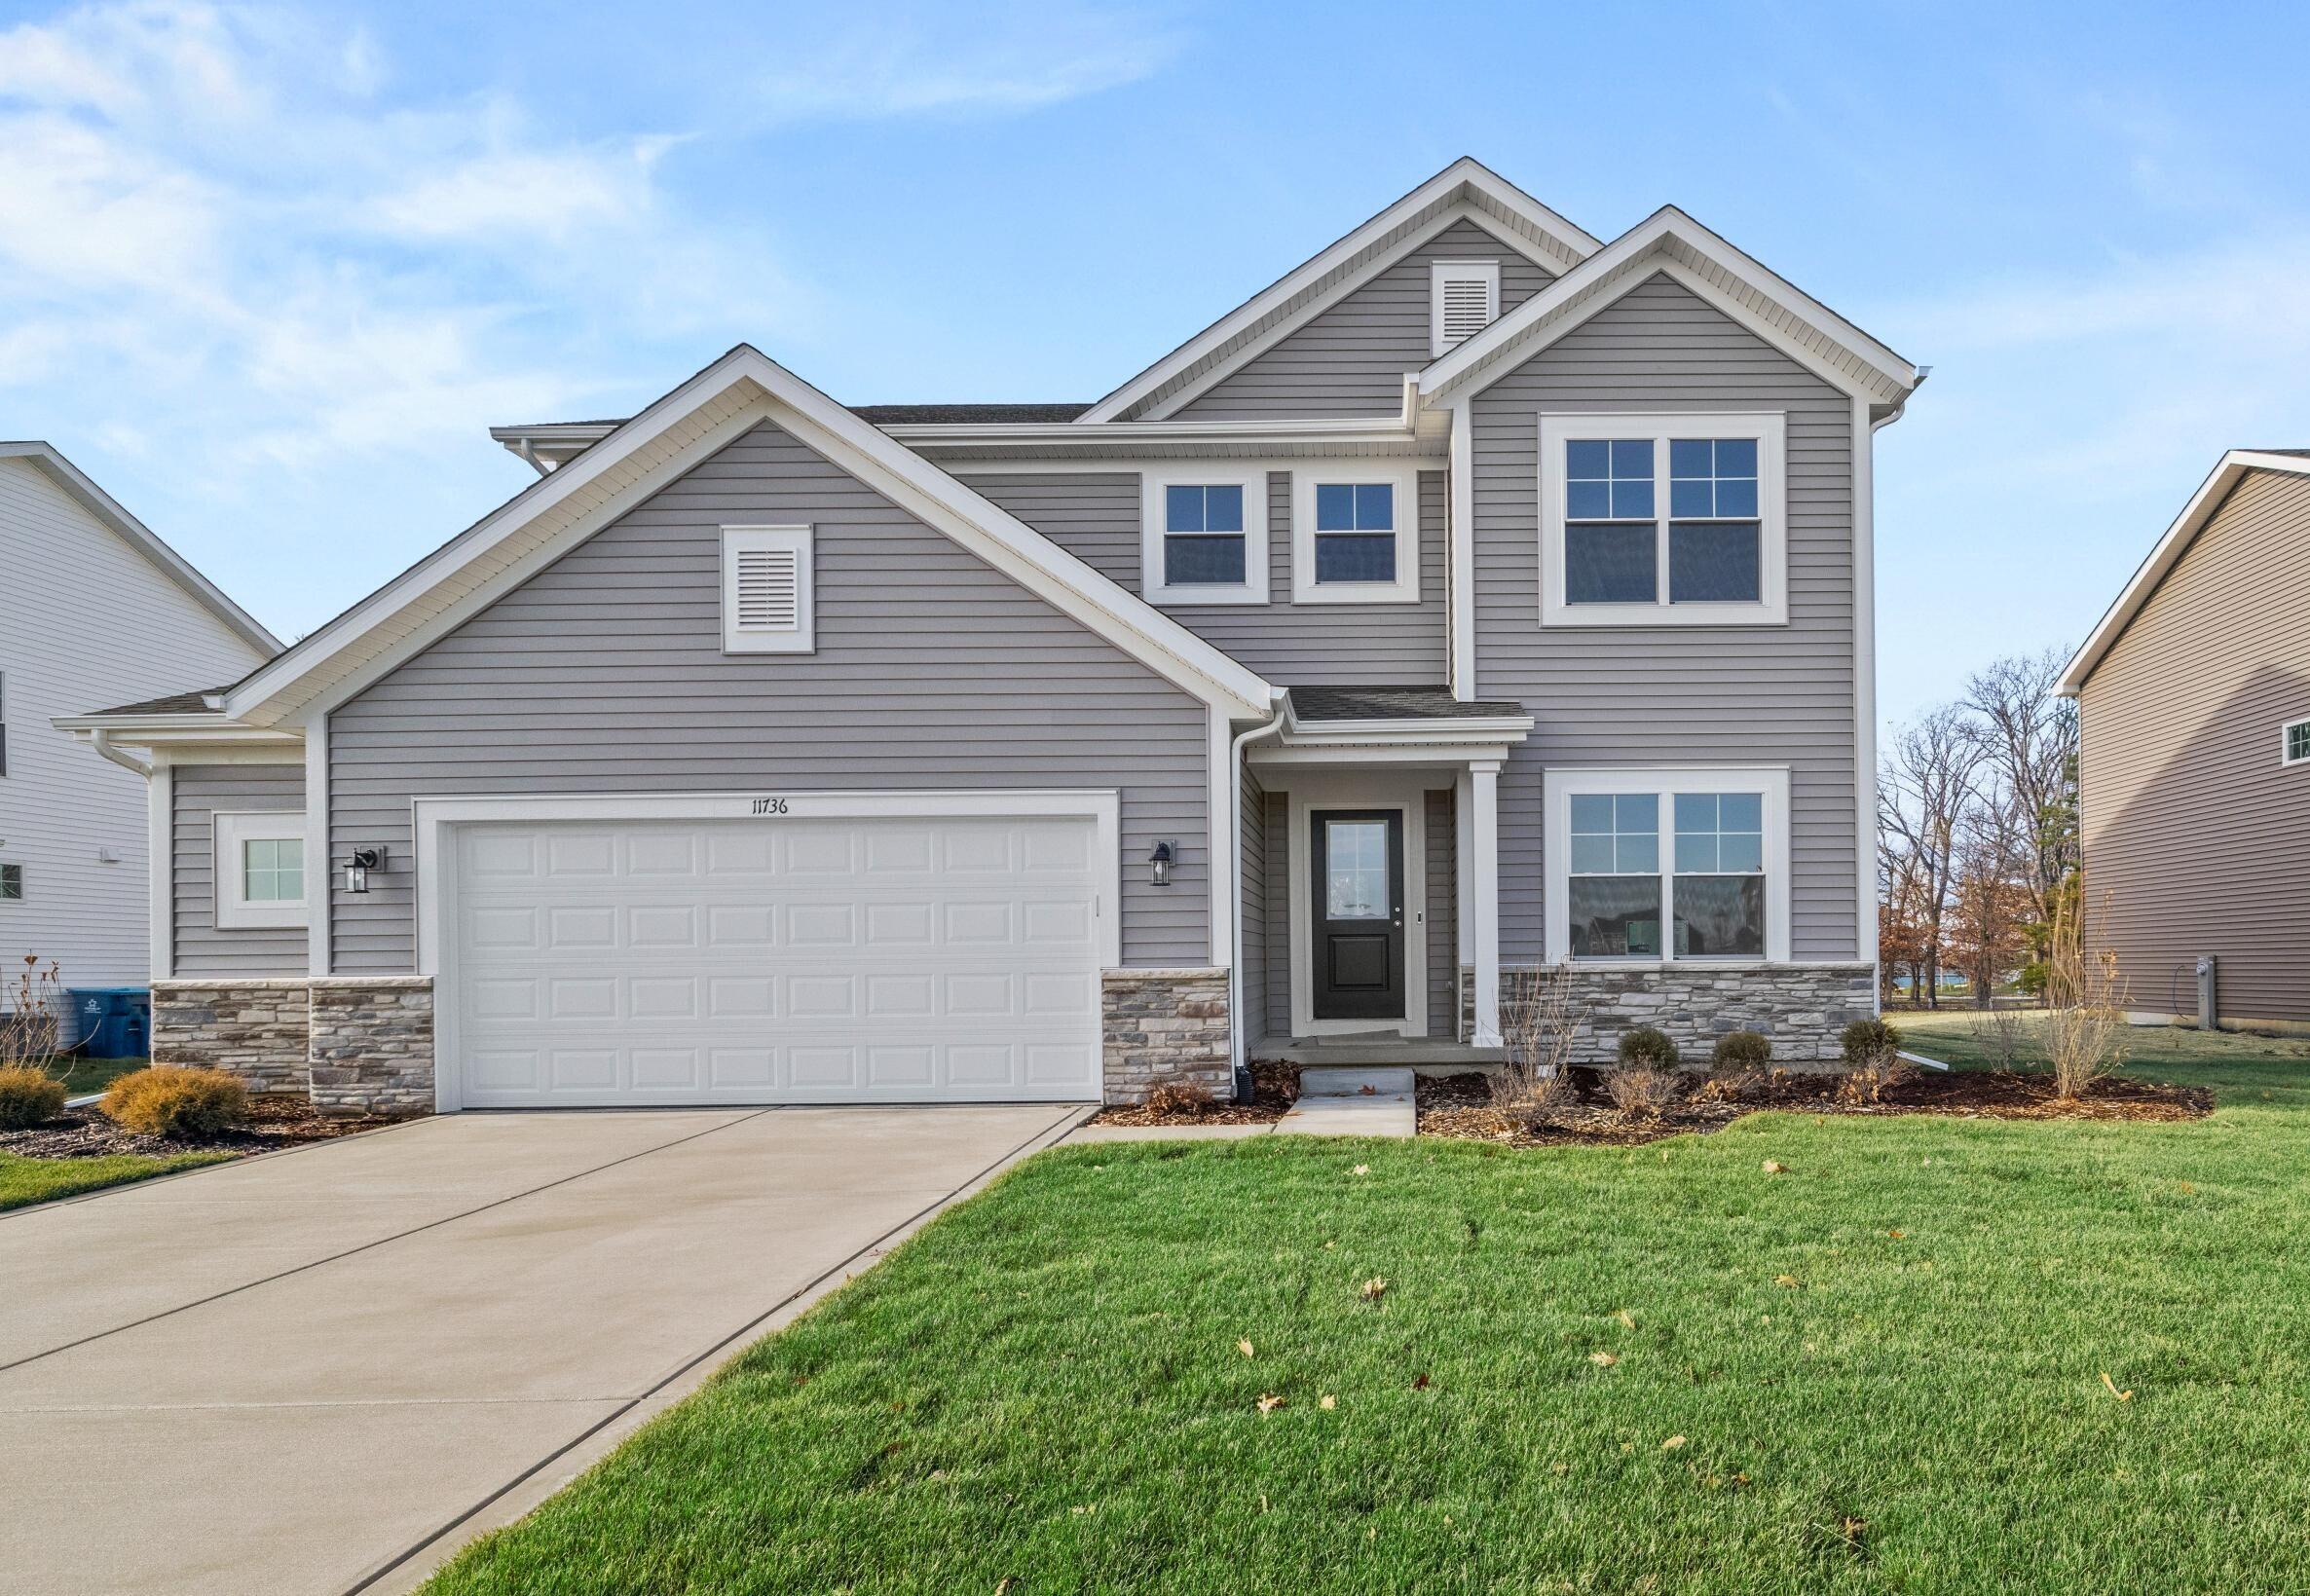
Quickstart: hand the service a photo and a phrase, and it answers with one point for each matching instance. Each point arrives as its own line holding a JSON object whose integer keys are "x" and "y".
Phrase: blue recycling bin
{"x": 114, "y": 1022}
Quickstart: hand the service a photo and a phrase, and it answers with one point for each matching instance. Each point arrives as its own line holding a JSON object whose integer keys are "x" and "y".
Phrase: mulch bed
{"x": 1461, "y": 1105}
{"x": 1275, "y": 1088}
{"x": 274, "y": 1123}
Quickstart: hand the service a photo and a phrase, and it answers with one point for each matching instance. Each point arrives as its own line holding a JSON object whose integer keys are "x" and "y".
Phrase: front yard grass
{"x": 89, "y": 1075}
{"x": 1653, "y": 1369}
{"x": 27, "y": 1180}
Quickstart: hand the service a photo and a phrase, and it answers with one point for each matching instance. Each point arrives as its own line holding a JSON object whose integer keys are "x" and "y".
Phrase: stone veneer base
{"x": 352, "y": 1045}
{"x": 1164, "y": 1026}
{"x": 1801, "y": 1007}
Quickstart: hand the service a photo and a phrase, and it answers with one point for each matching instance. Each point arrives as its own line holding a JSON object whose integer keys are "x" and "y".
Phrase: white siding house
{"x": 93, "y": 609}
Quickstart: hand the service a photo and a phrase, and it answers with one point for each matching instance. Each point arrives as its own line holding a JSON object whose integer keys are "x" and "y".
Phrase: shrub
{"x": 28, "y": 1096}
{"x": 170, "y": 1100}
{"x": 1647, "y": 1047}
{"x": 1869, "y": 1082}
{"x": 1189, "y": 1098}
{"x": 1741, "y": 1052}
{"x": 1864, "y": 1039}
{"x": 1640, "y": 1092}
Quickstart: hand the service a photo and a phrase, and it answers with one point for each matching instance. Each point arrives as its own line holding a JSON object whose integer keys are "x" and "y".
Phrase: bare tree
{"x": 1924, "y": 797}
{"x": 2029, "y": 738}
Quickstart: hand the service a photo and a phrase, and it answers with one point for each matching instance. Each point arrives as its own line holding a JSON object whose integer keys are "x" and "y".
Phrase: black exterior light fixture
{"x": 1159, "y": 862}
{"x": 357, "y": 866}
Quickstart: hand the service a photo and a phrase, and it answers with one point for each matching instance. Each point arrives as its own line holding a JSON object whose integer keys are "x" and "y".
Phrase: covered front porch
{"x": 1370, "y": 872}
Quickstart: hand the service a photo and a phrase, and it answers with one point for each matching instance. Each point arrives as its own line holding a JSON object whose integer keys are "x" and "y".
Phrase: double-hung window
{"x": 2294, "y": 743}
{"x": 1662, "y": 520}
{"x": 1667, "y": 866}
{"x": 259, "y": 861}
{"x": 1356, "y": 535}
{"x": 1203, "y": 535}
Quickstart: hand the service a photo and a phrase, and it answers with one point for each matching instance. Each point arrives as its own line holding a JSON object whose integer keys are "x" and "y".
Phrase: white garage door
{"x": 800, "y": 961}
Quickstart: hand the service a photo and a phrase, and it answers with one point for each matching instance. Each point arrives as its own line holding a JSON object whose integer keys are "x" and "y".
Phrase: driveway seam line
{"x": 1049, "y": 1135}
{"x": 367, "y": 1247}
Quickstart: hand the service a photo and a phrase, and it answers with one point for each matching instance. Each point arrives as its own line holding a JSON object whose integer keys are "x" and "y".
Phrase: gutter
{"x": 101, "y": 741}
{"x": 1279, "y": 705}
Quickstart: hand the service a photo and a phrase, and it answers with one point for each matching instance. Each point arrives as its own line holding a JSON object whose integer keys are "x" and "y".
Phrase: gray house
{"x": 1480, "y": 595}
{"x": 2193, "y": 700}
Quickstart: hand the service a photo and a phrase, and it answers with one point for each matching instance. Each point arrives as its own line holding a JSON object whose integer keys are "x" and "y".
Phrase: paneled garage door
{"x": 800, "y": 960}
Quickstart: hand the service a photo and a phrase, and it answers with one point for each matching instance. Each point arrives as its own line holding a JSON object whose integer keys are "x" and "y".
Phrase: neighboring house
{"x": 1477, "y": 596}
{"x": 94, "y": 610}
{"x": 2194, "y": 699}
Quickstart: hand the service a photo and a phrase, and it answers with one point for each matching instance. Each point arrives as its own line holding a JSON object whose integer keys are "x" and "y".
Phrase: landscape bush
{"x": 172, "y": 1100}
{"x": 1640, "y": 1092}
{"x": 1864, "y": 1039}
{"x": 1183, "y": 1097}
{"x": 1741, "y": 1052}
{"x": 1648, "y": 1046}
{"x": 28, "y": 1096}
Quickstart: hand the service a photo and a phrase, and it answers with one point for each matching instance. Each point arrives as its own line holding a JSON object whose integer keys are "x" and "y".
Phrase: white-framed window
{"x": 2294, "y": 743}
{"x": 1663, "y": 520}
{"x": 768, "y": 599}
{"x": 1356, "y": 534}
{"x": 1202, "y": 535}
{"x": 1463, "y": 300}
{"x": 1648, "y": 867}
{"x": 260, "y": 870}
{"x": 11, "y": 883}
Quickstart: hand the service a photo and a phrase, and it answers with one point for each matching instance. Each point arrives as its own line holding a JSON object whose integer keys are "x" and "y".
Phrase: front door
{"x": 1357, "y": 875}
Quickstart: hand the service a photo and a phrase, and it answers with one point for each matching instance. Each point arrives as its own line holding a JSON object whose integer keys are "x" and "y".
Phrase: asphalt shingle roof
{"x": 175, "y": 703}
{"x": 1395, "y": 704}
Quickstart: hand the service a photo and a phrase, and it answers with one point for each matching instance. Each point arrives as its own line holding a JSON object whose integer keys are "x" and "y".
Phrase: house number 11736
{"x": 769, "y": 806}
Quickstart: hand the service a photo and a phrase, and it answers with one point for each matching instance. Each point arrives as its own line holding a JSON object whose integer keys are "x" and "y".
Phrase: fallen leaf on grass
{"x": 1897, "y": 1235}
{"x": 1603, "y": 1360}
{"x": 1374, "y": 1290}
{"x": 1087, "y": 1508}
{"x": 1326, "y": 1404}
{"x": 1775, "y": 1166}
{"x": 1269, "y": 1401}
{"x": 1420, "y": 1383}
{"x": 1626, "y": 1317}
{"x": 2111, "y": 1385}
{"x": 1789, "y": 1281}
{"x": 1559, "y": 1468}
{"x": 1244, "y": 1347}
{"x": 1002, "y": 1586}
{"x": 1672, "y": 1443}
{"x": 1362, "y": 1169}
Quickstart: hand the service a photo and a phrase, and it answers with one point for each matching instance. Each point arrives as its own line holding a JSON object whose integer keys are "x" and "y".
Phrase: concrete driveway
{"x": 322, "y": 1370}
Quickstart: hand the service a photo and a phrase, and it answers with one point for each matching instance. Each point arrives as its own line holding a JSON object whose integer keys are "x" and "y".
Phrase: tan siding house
{"x": 2195, "y": 823}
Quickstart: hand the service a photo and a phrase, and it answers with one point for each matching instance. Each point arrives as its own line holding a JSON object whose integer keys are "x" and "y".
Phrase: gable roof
{"x": 1670, "y": 241}
{"x": 1464, "y": 189}
{"x": 138, "y": 536}
{"x": 2171, "y": 545}
{"x": 727, "y": 398}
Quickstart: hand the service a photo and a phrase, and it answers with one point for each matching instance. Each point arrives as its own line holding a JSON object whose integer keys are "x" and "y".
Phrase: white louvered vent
{"x": 1465, "y": 297}
{"x": 766, "y": 590}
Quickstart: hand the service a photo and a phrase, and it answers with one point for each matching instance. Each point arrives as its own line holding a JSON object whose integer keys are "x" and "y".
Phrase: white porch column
{"x": 1483, "y": 869}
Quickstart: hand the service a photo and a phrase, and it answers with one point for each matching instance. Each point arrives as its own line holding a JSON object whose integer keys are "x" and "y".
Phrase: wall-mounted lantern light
{"x": 1160, "y": 861}
{"x": 358, "y": 864}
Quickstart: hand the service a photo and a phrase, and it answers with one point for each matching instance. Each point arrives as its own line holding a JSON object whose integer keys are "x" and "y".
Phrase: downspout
{"x": 103, "y": 744}
{"x": 1236, "y": 1046}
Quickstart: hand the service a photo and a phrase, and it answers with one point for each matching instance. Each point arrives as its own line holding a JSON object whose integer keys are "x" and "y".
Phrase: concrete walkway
{"x": 322, "y": 1370}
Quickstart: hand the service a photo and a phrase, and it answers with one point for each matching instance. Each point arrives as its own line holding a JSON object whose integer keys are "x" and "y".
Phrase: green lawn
{"x": 2152, "y": 1052}
{"x": 24, "y": 1180}
{"x": 96, "y": 1074}
{"x": 1879, "y": 1370}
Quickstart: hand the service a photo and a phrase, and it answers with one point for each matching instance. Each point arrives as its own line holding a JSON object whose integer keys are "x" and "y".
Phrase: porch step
{"x": 1382, "y": 1082}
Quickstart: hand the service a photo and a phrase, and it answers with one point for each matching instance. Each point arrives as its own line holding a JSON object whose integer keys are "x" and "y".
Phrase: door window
{"x": 1356, "y": 868}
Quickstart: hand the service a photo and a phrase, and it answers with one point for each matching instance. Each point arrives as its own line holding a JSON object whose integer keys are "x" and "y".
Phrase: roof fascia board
{"x": 2172, "y": 545}
{"x": 1647, "y": 245}
{"x": 949, "y": 435}
{"x": 149, "y": 731}
{"x": 1575, "y": 245}
{"x": 83, "y": 491}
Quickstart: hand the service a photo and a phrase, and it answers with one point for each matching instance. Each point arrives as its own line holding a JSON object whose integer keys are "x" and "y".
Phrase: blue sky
{"x": 266, "y": 273}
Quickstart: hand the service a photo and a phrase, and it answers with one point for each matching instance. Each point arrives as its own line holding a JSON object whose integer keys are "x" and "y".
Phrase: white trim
{"x": 1865, "y": 926}
{"x": 1482, "y": 854}
{"x": 1329, "y": 276}
{"x": 799, "y": 638}
{"x": 1359, "y": 790}
{"x": 231, "y": 831}
{"x": 1405, "y": 480}
{"x": 2167, "y": 551}
{"x": 1560, "y": 785}
{"x": 1220, "y": 812}
{"x": 2285, "y": 753}
{"x": 1155, "y": 481}
{"x": 1769, "y": 430}
{"x": 1459, "y": 269}
{"x": 160, "y": 846}
{"x": 741, "y": 389}
{"x": 1460, "y": 555}
{"x": 321, "y": 930}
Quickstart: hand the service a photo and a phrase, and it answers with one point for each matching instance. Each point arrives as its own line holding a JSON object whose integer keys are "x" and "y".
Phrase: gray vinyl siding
{"x": 2197, "y": 835}
{"x": 1685, "y": 694}
{"x": 603, "y": 673}
{"x": 1277, "y": 854}
{"x": 1350, "y": 359}
{"x": 1253, "y": 910}
{"x": 199, "y": 792}
{"x": 1096, "y": 517}
{"x": 1444, "y": 917}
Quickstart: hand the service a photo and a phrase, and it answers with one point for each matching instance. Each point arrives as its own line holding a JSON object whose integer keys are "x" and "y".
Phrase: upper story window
{"x": 1355, "y": 535}
{"x": 2297, "y": 742}
{"x": 1667, "y": 865}
{"x": 1203, "y": 535}
{"x": 259, "y": 859}
{"x": 1662, "y": 520}
{"x": 11, "y": 883}
{"x": 1463, "y": 300}
{"x": 769, "y": 591}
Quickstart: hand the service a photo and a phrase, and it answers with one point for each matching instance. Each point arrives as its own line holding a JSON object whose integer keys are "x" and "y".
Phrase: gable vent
{"x": 1465, "y": 299}
{"x": 766, "y": 590}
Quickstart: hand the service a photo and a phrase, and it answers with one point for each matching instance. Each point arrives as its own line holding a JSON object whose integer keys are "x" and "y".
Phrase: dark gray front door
{"x": 1357, "y": 961}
